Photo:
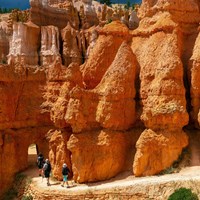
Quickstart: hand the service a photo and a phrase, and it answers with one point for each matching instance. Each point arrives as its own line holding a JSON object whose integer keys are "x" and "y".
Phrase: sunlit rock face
{"x": 104, "y": 52}
{"x": 180, "y": 10}
{"x": 21, "y": 120}
{"x": 106, "y": 96}
{"x": 164, "y": 76}
{"x": 193, "y": 73}
{"x": 153, "y": 147}
{"x": 101, "y": 151}
{"x": 24, "y": 44}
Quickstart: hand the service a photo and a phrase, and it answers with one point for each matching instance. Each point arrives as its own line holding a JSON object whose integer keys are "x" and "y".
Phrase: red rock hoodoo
{"x": 100, "y": 96}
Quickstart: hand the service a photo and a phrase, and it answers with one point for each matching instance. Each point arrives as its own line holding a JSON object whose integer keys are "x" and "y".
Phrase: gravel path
{"x": 124, "y": 180}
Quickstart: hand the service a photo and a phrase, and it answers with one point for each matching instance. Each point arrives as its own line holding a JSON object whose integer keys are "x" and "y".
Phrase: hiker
{"x": 47, "y": 170}
{"x": 65, "y": 173}
{"x": 40, "y": 163}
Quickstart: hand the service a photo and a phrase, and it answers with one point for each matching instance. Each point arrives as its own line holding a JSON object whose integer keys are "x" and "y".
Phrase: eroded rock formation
{"x": 106, "y": 47}
{"x": 42, "y": 13}
{"x": 71, "y": 50}
{"x": 50, "y": 45}
{"x": 24, "y": 44}
{"x": 58, "y": 152}
{"x": 193, "y": 73}
{"x": 21, "y": 121}
{"x": 161, "y": 73}
{"x": 109, "y": 151}
{"x": 4, "y": 45}
{"x": 104, "y": 98}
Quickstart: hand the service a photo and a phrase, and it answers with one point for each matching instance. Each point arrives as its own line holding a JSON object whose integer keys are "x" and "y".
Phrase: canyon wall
{"x": 103, "y": 97}
{"x": 21, "y": 122}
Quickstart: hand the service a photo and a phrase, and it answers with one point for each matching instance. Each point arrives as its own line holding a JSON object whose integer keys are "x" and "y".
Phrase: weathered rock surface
{"x": 44, "y": 14}
{"x": 4, "y": 42}
{"x": 104, "y": 52}
{"x": 21, "y": 121}
{"x": 94, "y": 154}
{"x": 71, "y": 52}
{"x": 180, "y": 10}
{"x": 162, "y": 90}
{"x": 104, "y": 105}
{"x": 21, "y": 97}
{"x": 193, "y": 73}
{"x": 87, "y": 13}
{"x": 58, "y": 152}
{"x": 61, "y": 81}
{"x": 50, "y": 45}
{"x": 157, "y": 150}
{"x": 97, "y": 84}
{"x": 24, "y": 44}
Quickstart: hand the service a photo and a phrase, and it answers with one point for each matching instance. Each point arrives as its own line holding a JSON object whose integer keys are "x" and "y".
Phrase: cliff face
{"x": 24, "y": 44}
{"x": 21, "y": 121}
{"x": 102, "y": 98}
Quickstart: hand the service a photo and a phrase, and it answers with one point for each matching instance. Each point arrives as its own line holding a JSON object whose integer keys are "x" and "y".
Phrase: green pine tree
{"x": 107, "y": 2}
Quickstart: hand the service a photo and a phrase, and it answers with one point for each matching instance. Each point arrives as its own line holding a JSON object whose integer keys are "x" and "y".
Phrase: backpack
{"x": 47, "y": 167}
{"x": 40, "y": 160}
{"x": 65, "y": 171}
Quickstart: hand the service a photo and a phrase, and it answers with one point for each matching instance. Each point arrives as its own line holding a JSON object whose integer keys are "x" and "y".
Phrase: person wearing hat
{"x": 65, "y": 173}
{"x": 47, "y": 170}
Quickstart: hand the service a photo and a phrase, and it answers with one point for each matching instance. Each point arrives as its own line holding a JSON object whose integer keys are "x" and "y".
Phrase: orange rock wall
{"x": 95, "y": 153}
{"x": 21, "y": 122}
{"x": 193, "y": 73}
{"x": 145, "y": 78}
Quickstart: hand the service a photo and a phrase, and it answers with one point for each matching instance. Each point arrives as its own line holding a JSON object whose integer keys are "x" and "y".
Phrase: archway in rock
{"x": 32, "y": 154}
